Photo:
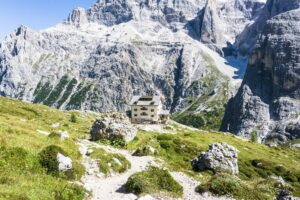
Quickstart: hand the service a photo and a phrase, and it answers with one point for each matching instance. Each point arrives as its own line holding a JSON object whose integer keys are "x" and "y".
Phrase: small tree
{"x": 254, "y": 137}
{"x": 48, "y": 158}
{"x": 73, "y": 118}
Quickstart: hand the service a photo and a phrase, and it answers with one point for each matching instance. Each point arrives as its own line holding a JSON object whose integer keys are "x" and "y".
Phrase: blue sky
{"x": 36, "y": 14}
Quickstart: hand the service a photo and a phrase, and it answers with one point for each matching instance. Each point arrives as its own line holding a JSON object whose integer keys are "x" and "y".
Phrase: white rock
{"x": 147, "y": 197}
{"x": 117, "y": 161}
{"x": 64, "y": 135}
{"x": 55, "y": 125}
{"x": 64, "y": 162}
{"x": 83, "y": 149}
{"x": 221, "y": 156}
{"x": 151, "y": 149}
{"x": 43, "y": 132}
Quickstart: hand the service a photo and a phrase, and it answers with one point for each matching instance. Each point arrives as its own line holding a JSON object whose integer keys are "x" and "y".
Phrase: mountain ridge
{"x": 93, "y": 62}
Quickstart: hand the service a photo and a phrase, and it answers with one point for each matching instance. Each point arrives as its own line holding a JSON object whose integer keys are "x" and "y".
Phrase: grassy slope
{"x": 215, "y": 98}
{"x": 21, "y": 176}
{"x": 19, "y": 123}
{"x": 179, "y": 149}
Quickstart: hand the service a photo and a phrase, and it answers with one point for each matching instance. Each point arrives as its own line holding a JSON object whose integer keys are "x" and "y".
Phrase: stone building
{"x": 148, "y": 109}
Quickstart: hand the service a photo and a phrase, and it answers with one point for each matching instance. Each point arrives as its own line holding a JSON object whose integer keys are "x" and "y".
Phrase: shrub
{"x": 289, "y": 176}
{"x": 125, "y": 164}
{"x": 145, "y": 151}
{"x": 48, "y": 159}
{"x": 107, "y": 161}
{"x": 202, "y": 188}
{"x": 254, "y": 136}
{"x": 164, "y": 137}
{"x": 54, "y": 135}
{"x": 196, "y": 121}
{"x": 117, "y": 141}
{"x": 165, "y": 144}
{"x": 229, "y": 185}
{"x": 73, "y": 118}
{"x": 75, "y": 173}
{"x": 153, "y": 180}
{"x": 73, "y": 192}
{"x": 6, "y": 181}
{"x": 11, "y": 196}
{"x": 224, "y": 185}
{"x": 266, "y": 169}
{"x": 18, "y": 159}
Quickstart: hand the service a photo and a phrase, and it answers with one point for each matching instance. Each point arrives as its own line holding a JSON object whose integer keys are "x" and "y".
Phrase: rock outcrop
{"x": 113, "y": 126}
{"x": 268, "y": 101}
{"x": 247, "y": 39}
{"x": 220, "y": 156}
{"x": 209, "y": 24}
{"x": 219, "y": 22}
{"x": 78, "y": 17}
{"x": 286, "y": 195}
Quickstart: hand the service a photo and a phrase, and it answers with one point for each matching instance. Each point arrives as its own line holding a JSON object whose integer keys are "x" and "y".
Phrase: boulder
{"x": 145, "y": 151}
{"x": 64, "y": 162}
{"x": 43, "y": 132}
{"x": 64, "y": 135}
{"x": 55, "y": 125}
{"x": 220, "y": 156}
{"x": 286, "y": 195}
{"x": 113, "y": 125}
{"x": 296, "y": 146}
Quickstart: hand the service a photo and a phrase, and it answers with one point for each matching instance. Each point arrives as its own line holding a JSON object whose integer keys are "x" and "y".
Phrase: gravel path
{"x": 110, "y": 188}
{"x": 189, "y": 185}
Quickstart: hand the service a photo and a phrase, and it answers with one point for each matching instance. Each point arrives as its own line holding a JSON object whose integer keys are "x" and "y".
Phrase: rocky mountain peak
{"x": 21, "y": 32}
{"x": 110, "y": 12}
{"x": 78, "y": 17}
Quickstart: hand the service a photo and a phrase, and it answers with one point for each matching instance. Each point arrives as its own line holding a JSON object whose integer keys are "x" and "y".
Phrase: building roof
{"x": 145, "y": 100}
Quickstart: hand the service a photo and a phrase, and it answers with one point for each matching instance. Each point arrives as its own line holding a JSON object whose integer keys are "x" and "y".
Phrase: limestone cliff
{"x": 268, "y": 102}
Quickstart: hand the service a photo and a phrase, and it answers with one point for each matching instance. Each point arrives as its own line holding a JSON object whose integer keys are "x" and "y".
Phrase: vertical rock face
{"x": 78, "y": 17}
{"x": 219, "y": 22}
{"x": 268, "y": 102}
{"x": 247, "y": 39}
{"x": 209, "y": 30}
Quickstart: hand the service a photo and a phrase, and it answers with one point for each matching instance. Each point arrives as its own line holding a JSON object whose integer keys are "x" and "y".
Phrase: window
{"x": 152, "y": 115}
{"x": 145, "y": 99}
{"x": 152, "y": 110}
{"x": 135, "y": 115}
{"x": 135, "y": 109}
{"x": 144, "y": 108}
{"x": 144, "y": 114}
